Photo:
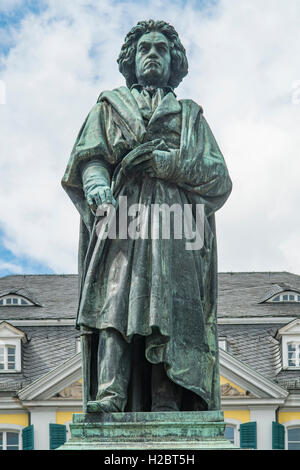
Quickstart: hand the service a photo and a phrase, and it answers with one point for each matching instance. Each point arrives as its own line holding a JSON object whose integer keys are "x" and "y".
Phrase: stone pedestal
{"x": 147, "y": 431}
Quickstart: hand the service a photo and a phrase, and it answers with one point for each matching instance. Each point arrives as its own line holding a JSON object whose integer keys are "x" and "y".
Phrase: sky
{"x": 244, "y": 69}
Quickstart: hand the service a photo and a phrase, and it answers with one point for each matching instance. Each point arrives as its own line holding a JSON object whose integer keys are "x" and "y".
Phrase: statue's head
{"x": 152, "y": 54}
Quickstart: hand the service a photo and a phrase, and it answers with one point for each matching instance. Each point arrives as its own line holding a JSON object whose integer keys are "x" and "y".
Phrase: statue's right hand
{"x": 98, "y": 194}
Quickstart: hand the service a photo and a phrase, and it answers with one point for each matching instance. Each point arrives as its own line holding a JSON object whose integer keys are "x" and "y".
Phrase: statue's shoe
{"x": 101, "y": 407}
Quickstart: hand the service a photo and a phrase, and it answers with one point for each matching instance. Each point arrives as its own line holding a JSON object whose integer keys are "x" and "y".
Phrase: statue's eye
{"x": 143, "y": 48}
{"x": 162, "y": 48}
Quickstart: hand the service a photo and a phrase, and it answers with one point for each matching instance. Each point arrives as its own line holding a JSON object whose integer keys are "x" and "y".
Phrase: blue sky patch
{"x": 11, "y": 264}
{"x": 14, "y": 17}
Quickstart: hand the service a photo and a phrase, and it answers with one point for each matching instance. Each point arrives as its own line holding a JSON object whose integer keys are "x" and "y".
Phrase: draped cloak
{"x": 154, "y": 287}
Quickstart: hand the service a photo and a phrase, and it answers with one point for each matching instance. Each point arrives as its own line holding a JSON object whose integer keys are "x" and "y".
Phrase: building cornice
{"x": 228, "y": 403}
{"x": 292, "y": 402}
{"x": 10, "y": 404}
{"x": 57, "y": 404}
{"x": 43, "y": 322}
{"x": 221, "y": 321}
{"x": 254, "y": 320}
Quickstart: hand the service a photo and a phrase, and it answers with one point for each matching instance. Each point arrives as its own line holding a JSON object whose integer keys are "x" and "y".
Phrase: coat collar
{"x": 166, "y": 89}
{"x": 168, "y": 105}
{"x": 126, "y": 106}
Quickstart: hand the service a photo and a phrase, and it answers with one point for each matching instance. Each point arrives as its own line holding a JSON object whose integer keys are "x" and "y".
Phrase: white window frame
{"x": 19, "y": 298}
{"x": 236, "y": 425}
{"x": 286, "y": 340}
{"x": 77, "y": 345}
{"x": 4, "y": 428}
{"x": 68, "y": 435}
{"x": 16, "y": 343}
{"x": 5, "y": 357}
{"x": 297, "y": 354}
{"x": 222, "y": 343}
{"x": 12, "y": 337}
{"x": 290, "y": 425}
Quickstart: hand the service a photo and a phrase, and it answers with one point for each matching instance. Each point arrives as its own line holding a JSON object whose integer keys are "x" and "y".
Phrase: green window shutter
{"x": 58, "y": 435}
{"x": 278, "y": 436}
{"x": 248, "y": 435}
{"x": 28, "y": 438}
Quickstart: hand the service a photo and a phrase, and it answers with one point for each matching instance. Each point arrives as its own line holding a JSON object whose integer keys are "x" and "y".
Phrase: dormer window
{"x": 287, "y": 296}
{"x": 13, "y": 301}
{"x": 290, "y": 344}
{"x": 10, "y": 348}
{"x": 281, "y": 293}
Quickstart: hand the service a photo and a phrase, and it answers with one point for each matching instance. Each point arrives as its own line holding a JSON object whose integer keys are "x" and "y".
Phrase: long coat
{"x": 154, "y": 288}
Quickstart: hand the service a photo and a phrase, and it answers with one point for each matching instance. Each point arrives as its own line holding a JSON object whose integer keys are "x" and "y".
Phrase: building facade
{"x": 259, "y": 344}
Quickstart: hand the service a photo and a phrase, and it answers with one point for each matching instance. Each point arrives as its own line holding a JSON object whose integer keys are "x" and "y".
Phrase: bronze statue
{"x": 147, "y": 306}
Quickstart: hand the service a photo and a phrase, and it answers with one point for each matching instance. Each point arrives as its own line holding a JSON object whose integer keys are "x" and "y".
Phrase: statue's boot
{"x": 114, "y": 359}
{"x": 166, "y": 395}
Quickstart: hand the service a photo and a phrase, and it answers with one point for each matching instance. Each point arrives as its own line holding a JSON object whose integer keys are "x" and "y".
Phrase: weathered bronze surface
{"x": 147, "y": 308}
{"x": 142, "y": 431}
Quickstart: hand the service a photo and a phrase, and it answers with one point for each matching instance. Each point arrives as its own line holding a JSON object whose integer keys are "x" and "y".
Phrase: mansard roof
{"x": 240, "y": 294}
{"x": 54, "y": 296}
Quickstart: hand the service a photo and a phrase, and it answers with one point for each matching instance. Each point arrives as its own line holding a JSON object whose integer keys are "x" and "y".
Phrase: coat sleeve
{"x": 199, "y": 166}
{"x": 91, "y": 145}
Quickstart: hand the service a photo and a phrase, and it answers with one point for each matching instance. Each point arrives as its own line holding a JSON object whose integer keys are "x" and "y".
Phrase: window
{"x": 77, "y": 345}
{"x": 293, "y": 354}
{"x": 286, "y": 297}
{"x": 222, "y": 343}
{"x": 290, "y": 344}
{"x": 7, "y": 357}
{"x": 14, "y": 300}
{"x": 229, "y": 433}
{"x": 293, "y": 437}
{"x": 9, "y": 440}
{"x": 10, "y": 348}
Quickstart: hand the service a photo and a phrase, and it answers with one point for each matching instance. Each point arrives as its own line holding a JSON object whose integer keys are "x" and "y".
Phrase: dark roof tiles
{"x": 239, "y": 297}
{"x": 56, "y": 295}
{"x": 240, "y": 294}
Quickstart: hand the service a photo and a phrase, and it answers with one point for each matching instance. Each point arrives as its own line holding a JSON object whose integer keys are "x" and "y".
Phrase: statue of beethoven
{"x": 147, "y": 307}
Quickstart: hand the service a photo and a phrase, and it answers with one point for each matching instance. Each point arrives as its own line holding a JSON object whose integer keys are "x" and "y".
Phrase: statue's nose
{"x": 153, "y": 52}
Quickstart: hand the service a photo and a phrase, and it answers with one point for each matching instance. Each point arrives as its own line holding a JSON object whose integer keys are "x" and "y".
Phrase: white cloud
{"x": 11, "y": 268}
{"x": 244, "y": 59}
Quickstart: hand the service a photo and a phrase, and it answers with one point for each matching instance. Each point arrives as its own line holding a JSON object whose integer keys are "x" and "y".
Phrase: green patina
{"x": 147, "y": 307}
{"x": 165, "y": 430}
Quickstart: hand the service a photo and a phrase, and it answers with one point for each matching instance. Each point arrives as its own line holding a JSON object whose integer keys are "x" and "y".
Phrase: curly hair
{"x": 126, "y": 59}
